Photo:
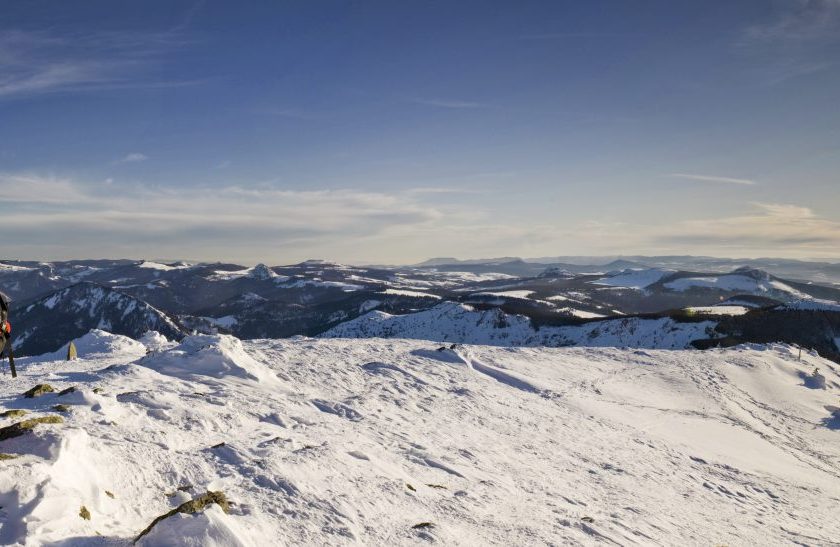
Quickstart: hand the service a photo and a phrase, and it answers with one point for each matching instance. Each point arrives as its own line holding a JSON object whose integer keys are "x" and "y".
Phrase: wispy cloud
{"x": 27, "y": 188}
{"x": 289, "y": 112}
{"x": 713, "y": 179}
{"x": 38, "y": 62}
{"x": 548, "y": 36}
{"x": 59, "y": 217}
{"x": 450, "y": 103}
{"x": 770, "y": 228}
{"x": 797, "y": 39}
{"x": 763, "y": 229}
{"x": 797, "y": 21}
{"x": 134, "y": 157}
{"x": 61, "y": 214}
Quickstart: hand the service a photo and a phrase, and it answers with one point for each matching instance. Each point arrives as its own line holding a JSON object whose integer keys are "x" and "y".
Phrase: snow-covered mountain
{"x": 463, "y": 324}
{"x": 340, "y": 442}
{"x": 46, "y": 324}
{"x": 313, "y": 297}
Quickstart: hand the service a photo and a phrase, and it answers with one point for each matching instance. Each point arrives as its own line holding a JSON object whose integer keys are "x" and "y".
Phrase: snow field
{"x": 401, "y": 442}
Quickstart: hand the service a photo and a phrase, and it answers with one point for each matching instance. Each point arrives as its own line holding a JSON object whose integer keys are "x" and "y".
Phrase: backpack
{"x": 6, "y": 332}
{"x": 4, "y": 320}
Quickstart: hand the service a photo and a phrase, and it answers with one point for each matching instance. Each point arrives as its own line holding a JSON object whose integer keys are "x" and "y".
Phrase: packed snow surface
{"x": 393, "y": 442}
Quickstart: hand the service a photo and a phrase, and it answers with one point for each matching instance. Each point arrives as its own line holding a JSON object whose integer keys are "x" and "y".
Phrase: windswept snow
{"x": 98, "y": 342}
{"x": 375, "y": 442}
{"x": 210, "y": 355}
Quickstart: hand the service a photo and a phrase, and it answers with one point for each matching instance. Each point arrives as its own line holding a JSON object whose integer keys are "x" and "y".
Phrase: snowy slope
{"x": 452, "y": 322}
{"x": 338, "y": 442}
{"x": 719, "y": 310}
{"x": 634, "y": 278}
{"x": 735, "y": 282}
{"x": 68, "y": 313}
{"x": 814, "y": 304}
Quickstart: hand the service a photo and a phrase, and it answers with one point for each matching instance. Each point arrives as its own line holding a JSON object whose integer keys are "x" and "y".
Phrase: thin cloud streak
{"x": 713, "y": 179}
{"x": 134, "y": 157}
{"x": 451, "y": 104}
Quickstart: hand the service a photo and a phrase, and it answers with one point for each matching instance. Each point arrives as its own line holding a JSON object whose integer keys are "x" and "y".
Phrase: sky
{"x": 390, "y": 132}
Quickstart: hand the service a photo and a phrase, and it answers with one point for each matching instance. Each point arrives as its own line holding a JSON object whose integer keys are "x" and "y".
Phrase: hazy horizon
{"x": 581, "y": 260}
{"x": 387, "y": 133}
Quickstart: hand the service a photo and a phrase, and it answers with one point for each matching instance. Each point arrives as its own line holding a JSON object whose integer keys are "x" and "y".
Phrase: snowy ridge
{"x": 634, "y": 278}
{"x": 452, "y": 322}
{"x": 63, "y": 316}
{"x": 813, "y": 304}
{"x": 396, "y": 443}
{"x": 736, "y": 282}
{"x": 720, "y": 309}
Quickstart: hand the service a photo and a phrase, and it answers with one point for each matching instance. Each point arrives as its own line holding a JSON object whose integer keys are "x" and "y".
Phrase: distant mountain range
{"x": 814, "y": 271}
{"x": 58, "y": 301}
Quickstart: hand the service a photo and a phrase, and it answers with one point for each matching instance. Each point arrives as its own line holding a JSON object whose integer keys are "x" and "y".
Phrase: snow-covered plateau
{"x": 404, "y": 442}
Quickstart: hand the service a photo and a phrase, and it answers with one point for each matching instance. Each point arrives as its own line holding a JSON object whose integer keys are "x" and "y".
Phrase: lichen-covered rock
{"x": 84, "y": 513}
{"x": 38, "y": 390}
{"x": 193, "y": 506}
{"x": 15, "y": 413}
{"x": 21, "y": 428}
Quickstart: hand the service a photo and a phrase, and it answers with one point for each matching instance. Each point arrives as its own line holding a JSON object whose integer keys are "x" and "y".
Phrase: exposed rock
{"x": 21, "y": 428}
{"x": 38, "y": 390}
{"x": 15, "y": 413}
{"x": 193, "y": 506}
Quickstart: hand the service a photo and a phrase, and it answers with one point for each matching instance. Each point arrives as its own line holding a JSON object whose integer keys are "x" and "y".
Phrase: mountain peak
{"x": 262, "y": 272}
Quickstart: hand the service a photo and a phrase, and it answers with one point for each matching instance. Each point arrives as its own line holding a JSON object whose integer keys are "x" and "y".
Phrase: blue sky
{"x": 395, "y": 131}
